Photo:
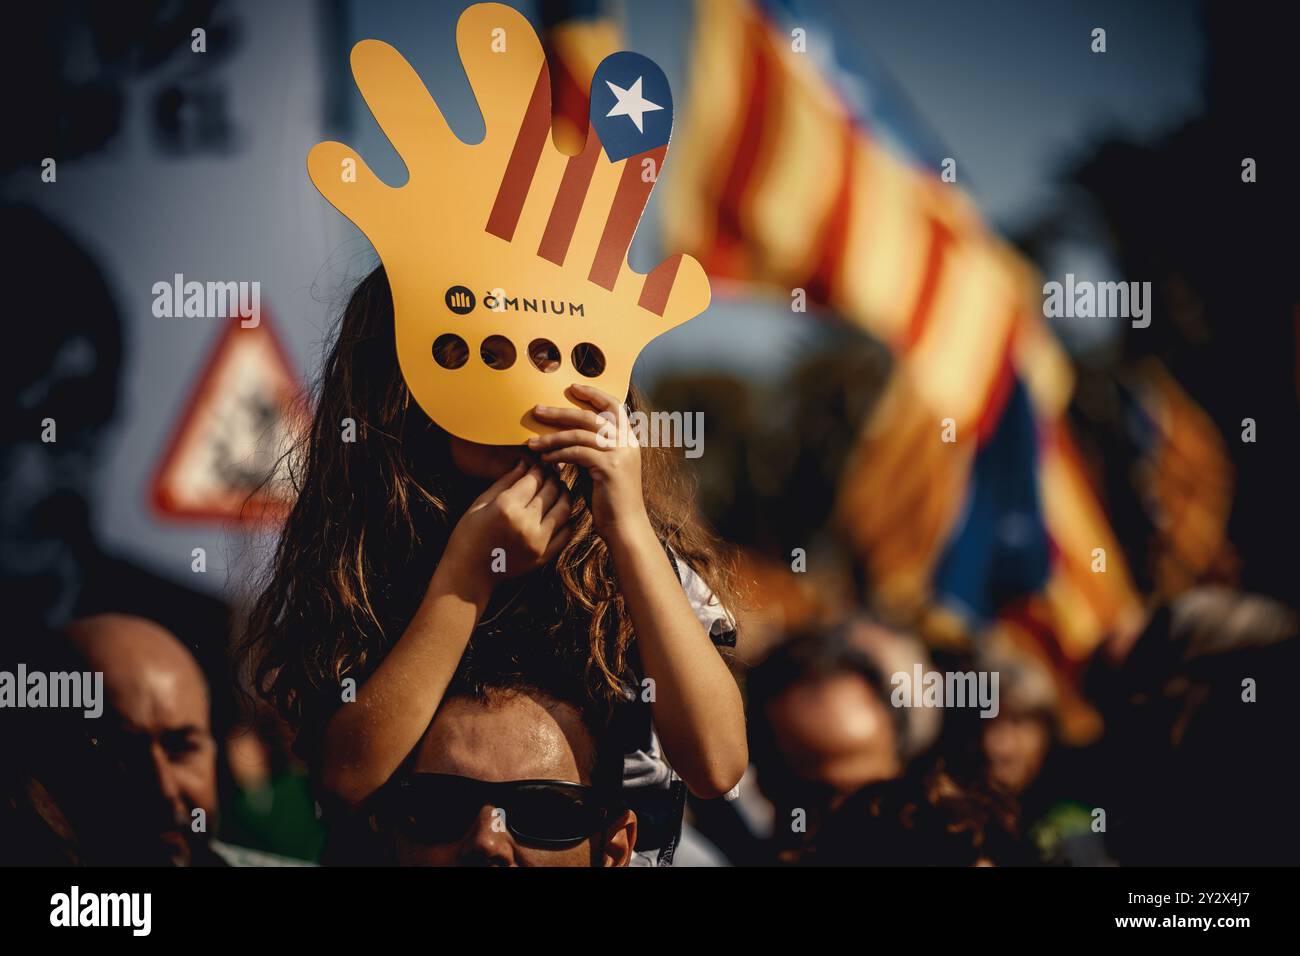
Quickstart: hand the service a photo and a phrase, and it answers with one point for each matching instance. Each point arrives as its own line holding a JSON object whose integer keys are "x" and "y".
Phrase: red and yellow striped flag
{"x": 778, "y": 185}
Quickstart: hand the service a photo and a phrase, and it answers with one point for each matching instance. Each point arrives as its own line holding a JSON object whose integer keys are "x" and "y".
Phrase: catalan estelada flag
{"x": 782, "y": 181}
{"x": 1184, "y": 479}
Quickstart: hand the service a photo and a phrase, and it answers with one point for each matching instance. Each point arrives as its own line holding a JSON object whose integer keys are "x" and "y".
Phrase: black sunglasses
{"x": 432, "y": 808}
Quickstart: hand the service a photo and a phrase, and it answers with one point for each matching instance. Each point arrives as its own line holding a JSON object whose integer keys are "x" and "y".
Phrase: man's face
{"x": 1016, "y": 746}
{"x": 511, "y": 737}
{"x": 835, "y": 737}
{"x": 156, "y": 726}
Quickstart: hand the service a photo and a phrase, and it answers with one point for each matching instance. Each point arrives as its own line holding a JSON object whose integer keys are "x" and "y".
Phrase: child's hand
{"x": 598, "y": 437}
{"x": 525, "y": 514}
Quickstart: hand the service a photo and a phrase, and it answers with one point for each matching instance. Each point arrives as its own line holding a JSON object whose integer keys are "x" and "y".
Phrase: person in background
{"x": 157, "y": 729}
{"x": 1024, "y": 761}
{"x": 269, "y": 805}
{"x": 821, "y": 728}
{"x": 61, "y": 386}
{"x": 924, "y": 818}
{"x": 1192, "y": 770}
{"x": 135, "y": 786}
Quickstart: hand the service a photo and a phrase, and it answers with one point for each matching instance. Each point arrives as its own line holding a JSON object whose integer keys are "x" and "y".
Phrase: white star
{"x": 631, "y": 103}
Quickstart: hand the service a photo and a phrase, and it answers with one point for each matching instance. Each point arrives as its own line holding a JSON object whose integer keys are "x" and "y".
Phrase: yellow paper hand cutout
{"x": 508, "y": 259}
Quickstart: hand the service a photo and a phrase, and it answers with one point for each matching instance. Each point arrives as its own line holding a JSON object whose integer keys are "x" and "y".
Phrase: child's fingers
{"x": 501, "y": 484}
{"x": 575, "y": 436}
{"x": 601, "y": 400}
{"x": 574, "y": 455}
{"x": 561, "y": 508}
{"x": 572, "y": 417}
{"x": 547, "y": 495}
{"x": 523, "y": 490}
{"x": 558, "y": 514}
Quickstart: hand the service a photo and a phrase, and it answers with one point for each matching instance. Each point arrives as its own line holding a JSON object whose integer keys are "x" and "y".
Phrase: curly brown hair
{"x": 372, "y": 517}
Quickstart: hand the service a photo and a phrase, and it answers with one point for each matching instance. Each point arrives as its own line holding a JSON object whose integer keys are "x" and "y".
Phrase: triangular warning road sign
{"x": 227, "y": 459}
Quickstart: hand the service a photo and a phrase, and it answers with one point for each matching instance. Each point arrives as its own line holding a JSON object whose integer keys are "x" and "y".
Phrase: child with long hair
{"x": 384, "y": 574}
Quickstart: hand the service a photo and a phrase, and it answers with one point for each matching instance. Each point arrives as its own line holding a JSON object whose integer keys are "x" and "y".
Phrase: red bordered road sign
{"x": 227, "y": 458}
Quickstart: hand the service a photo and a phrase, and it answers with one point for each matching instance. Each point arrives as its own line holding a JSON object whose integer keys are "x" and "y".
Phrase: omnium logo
{"x": 460, "y": 300}
{"x": 498, "y": 300}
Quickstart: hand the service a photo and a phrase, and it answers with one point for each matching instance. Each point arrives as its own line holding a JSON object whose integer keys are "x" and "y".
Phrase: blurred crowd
{"x": 1187, "y": 762}
{"x": 1190, "y": 770}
